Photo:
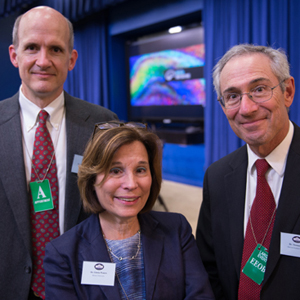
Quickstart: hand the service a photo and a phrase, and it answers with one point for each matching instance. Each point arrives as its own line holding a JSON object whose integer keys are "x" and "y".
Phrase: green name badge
{"x": 256, "y": 265}
{"x": 41, "y": 195}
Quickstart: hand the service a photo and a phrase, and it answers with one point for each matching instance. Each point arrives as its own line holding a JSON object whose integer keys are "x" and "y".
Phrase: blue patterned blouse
{"x": 129, "y": 271}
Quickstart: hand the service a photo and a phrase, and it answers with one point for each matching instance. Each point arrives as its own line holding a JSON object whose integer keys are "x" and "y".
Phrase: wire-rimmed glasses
{"x": 259, "y": 94}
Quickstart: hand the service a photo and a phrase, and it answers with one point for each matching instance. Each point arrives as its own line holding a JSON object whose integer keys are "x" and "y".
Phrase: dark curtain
{"x": 88, "y": 80}
{"x": 74, "y": 10}
{"x": 227, "y": 23}
{"x": 9, "y": 6}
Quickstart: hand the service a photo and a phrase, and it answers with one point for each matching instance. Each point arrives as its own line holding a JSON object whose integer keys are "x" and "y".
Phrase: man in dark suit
{"x": 255, "y": 90}
{"x": 43, "y": 52}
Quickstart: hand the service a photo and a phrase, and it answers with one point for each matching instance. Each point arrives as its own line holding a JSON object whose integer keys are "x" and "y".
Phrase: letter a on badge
{"x": 41, "y": 193}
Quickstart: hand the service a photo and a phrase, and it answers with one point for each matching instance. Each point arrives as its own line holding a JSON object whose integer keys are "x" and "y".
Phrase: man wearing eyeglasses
{"x": 249, "y": 223}
{"x": 39, "y": 198}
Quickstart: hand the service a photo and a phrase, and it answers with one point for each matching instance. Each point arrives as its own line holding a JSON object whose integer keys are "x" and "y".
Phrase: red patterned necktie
{"x": 262, "y": 216}
{"x": 45, "y": 224}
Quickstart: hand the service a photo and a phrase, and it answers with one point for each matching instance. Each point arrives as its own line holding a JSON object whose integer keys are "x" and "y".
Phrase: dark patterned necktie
{"x": 45, "y": 224}
{"x": 262, "y": 216}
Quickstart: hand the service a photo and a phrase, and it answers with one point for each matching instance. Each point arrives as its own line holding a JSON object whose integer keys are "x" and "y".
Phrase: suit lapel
{"x": 288, "y": 207}
{"x": 96, "y": 251}
{"x": 12, "y": 167}
{"x": 152, "y": 242}
{"x": 235, "y": 186}
{"x": 77, "y": 134}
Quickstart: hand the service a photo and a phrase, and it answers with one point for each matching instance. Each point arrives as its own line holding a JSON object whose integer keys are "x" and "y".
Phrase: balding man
{"x": 43, "y": 134}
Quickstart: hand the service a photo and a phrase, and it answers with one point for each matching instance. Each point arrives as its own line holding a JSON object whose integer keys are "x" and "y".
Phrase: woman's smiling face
{"x": 125, "y": 191}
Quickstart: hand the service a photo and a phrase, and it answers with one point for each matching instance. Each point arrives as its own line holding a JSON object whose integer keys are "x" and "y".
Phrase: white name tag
{"x": 290, "y": 244}
{"x": 98, "y": 273}
{"x": 76, "y": 162}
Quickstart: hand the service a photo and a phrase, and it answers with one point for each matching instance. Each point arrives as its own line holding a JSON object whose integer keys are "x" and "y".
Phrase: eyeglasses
{"x": 259, "y": 94}
{"x": 109, "y": 125}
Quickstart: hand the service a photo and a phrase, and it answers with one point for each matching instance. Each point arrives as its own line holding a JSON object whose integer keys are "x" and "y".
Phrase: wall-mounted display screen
{"x": 166, "y": 78}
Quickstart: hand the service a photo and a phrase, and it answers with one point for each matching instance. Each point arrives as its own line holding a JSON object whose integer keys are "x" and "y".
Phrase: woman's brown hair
{"x": 98, "y": 157}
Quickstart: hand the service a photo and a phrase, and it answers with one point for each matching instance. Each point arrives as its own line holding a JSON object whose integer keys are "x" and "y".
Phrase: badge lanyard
{"x": 40, "y": 189}
{"x": 256, "y": 265}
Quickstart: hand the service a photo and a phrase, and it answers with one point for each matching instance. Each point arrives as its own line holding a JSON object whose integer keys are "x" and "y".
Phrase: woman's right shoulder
{"x": 78, "y": 233}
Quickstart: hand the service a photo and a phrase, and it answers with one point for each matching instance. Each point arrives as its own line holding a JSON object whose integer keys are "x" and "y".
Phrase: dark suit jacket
{"x": 15, "y": 237}
{"x": 220, "y": 234}
{"x": 173, "y": 268}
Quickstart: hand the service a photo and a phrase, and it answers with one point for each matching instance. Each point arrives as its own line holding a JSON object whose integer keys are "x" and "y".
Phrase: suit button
{"x": 27, "y": 270}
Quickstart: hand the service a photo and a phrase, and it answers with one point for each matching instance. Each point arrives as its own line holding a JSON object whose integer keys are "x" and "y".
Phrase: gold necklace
{"x": 121, "y": 258}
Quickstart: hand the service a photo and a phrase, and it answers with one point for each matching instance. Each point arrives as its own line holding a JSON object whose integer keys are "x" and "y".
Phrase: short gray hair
{"x": 15, "y": 33}
{"x": 279, "y": 63}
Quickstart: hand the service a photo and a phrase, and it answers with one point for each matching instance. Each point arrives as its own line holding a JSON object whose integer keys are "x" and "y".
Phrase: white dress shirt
{"x": 56, "y": 124}
{"x": 277, "y": 160}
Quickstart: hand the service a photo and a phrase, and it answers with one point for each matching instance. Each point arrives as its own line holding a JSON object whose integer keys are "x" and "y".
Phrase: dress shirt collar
{"x": 277, "y": 158}
{"x": 30, "y": 111}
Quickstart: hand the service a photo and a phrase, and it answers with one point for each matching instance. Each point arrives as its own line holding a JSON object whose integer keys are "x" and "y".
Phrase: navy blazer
{"x": 173, "y": 268}
{"x": 220, "y": 230}
{"x": 15, "y": 228}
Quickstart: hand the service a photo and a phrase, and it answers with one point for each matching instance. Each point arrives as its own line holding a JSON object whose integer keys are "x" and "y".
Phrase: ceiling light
{"x": 175, "y": 29}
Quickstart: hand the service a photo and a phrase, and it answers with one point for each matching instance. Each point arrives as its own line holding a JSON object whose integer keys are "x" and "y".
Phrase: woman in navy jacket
{"x": 124, "y": 250}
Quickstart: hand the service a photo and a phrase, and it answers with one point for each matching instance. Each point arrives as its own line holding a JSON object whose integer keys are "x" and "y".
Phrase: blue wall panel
{"x": 184, "y": 163}
{"x": 9, "y": 75}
